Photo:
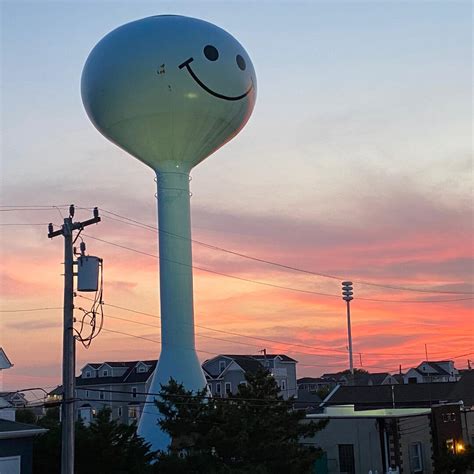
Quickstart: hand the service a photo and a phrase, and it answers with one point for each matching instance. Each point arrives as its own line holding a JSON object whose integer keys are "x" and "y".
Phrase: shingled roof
{"x": 405, "y": 396}
{"x": 129, "y": 376}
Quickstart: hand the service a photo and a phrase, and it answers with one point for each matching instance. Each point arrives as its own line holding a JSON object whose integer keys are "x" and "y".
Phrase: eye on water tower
{"x": 170, "y": 90}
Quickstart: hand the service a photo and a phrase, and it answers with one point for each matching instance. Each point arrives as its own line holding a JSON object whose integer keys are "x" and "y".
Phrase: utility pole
{"x": 69, "y": 346}
{"x": 347, "y": 296}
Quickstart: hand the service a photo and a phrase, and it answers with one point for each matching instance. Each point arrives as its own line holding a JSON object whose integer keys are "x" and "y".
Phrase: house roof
{"x": 434, "y": 364}
{"x": 283, "y": 357}
{"x": 406, "y": 395}
{"x": 12, "y": 429}
{"x": 130, "y": 376}
{"x": 314, "y": 380}
{"x": 247, "y": 362}
{"x": 4, "y": 360}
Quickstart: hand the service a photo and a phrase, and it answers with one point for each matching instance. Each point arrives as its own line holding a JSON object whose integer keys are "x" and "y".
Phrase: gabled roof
{"x": 435, "y": 365}
{"x": 283, "y": 357}
{"x": 247, "y": 362}
{"x": 12, "y": 429}
{"x": 406, "y": 395}
{"x": 129, "y": 376}
{"x": 4, "y": 360}
{"x": 314, "y": 380}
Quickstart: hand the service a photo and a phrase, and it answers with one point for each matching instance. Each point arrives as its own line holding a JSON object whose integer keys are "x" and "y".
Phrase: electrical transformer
{"x": 88, "y": 273}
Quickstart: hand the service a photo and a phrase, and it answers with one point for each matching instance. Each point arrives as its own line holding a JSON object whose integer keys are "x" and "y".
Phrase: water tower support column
{"x": 178, "y": 358}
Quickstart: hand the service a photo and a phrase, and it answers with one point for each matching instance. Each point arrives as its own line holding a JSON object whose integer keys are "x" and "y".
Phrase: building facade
{"x": 224, "y": 373}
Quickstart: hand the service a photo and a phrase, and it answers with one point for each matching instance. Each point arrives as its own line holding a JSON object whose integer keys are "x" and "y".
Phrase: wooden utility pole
{"x": 69, "y": 342}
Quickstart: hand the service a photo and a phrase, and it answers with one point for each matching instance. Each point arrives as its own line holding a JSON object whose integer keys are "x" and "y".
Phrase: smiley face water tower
{"x": 170, "y": 90}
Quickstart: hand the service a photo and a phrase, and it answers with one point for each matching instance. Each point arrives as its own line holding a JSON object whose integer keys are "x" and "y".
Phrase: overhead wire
{"x": 281, "y": 287}
{"x": 277, "y": 264}
{"x": 264, "y": 339}
{"x": 127, "y": 220}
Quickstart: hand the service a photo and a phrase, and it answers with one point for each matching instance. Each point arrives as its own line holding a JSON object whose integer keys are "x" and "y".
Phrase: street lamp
{"x": 347, "y": 297}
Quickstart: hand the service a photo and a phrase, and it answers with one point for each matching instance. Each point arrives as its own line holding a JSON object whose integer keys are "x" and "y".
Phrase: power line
{"x": 261, "y": 338}
{"x": 269, "y": 262}
{"x": 129, "y": 221}
{"x": 27, "y": 310}
{"x": 273, "y": 341}
{"x": 281, "y": 287}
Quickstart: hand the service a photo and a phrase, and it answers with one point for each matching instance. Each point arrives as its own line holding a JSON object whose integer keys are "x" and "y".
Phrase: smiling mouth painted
{"x": 187, "y": 63}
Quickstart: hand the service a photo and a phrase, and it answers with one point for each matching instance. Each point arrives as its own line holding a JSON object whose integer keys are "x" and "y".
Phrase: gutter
{"x": 22, "y": 433}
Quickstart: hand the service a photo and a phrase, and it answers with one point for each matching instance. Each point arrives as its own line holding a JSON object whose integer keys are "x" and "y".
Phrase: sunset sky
{"x": 356, "y": 163}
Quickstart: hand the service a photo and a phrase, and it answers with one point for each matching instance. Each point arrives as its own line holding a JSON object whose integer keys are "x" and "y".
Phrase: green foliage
{"x": 255, "y": 431}
{"x": 323, "y": 392}
{"x": 356, "y": 372}
{"x": 104, "y": 447}
{"x": 25, "y": 415}
{"x": 448, "y": 462}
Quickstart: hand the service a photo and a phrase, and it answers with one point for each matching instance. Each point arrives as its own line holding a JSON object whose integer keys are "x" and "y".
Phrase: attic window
{"x": 88, "y": 374}
{"x": 105, "y": 373}
{"x": 141, "y": 369}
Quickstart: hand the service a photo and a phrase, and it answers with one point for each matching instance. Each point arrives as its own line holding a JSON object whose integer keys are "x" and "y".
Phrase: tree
{"x": 25, "y": 415}
{"x": 455, "y": 463}
{"x": 255, "y": 431}
{"x": 104, "y": 447}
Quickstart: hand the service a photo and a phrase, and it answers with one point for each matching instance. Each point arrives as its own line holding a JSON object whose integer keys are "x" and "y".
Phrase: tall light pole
{"x": 347, "y": 297}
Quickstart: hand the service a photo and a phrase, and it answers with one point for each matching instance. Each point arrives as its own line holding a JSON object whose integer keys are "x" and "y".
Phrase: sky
{"x": 356, "y": 163}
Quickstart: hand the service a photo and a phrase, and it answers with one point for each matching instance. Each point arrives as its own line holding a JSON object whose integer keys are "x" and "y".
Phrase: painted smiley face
{"x": 212, "y": 54}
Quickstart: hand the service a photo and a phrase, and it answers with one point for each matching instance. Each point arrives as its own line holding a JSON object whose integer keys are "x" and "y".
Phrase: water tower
{"x": 170, "y": 90}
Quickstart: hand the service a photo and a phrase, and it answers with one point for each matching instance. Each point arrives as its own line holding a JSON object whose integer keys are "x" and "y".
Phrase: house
{"x": 16, "y": 446}
{"x": 120, "y": 386}
{"x": 314, "y": 384}
{"x": 17, "y": 399}
{"x": 4, "y": 364}
{"x": 374, "y": 378}
{"x": 449, "y": 421}
{"x": 432, "y": 371}
{"x": 225, "y": 372}
{"x": 7, "y": 410}
{"x": 360, "y": 441}
{"x": 4, "y": 360}
{"x": 7, "y": 399}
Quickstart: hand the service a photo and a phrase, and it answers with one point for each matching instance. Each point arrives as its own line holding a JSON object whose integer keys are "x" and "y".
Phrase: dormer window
{"x": 105, "y": 373}
{"x": 141, "y": 369}
{"x": 88, "y": 374}
{"x": 221, "y": 365}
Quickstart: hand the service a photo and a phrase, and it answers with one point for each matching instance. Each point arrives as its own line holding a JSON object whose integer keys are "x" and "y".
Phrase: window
{"x": 133, "y": 412}
{"x": 416, "y": 458}
{"x": 88, "y": 374}
{"x": 228, "y": 388}
{"x": 450, "y": 445}
{"x": 101, "y": 394}
{"x": 221, "y": 365}
{"x": 243, "y": 382}
{"x": 141, "y": 369}
{"x": 134, "y": 392}
{"x": 87, "y": 393}
{"x": 85, "y": 414}
{"x": 283, "y": 385}
{"x": 105, "y": 373}
{"x": 119, "y": 412}
{"x": 218, "y": 389}
{"x": 448, "y": 417}
{"x": 346, "y": 458}
{"x": 412, "y": 380}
